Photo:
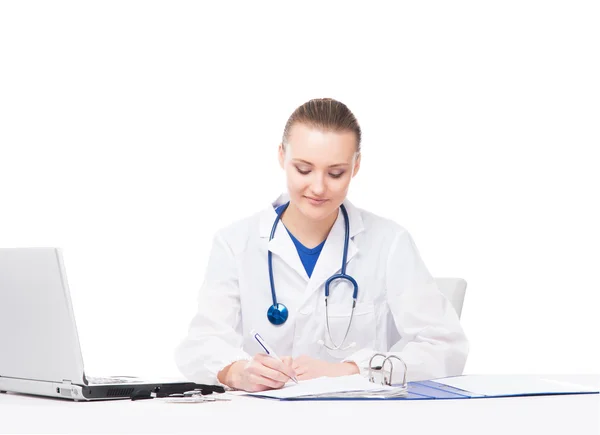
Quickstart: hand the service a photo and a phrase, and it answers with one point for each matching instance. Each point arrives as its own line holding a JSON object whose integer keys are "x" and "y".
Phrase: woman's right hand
{"x": 261, "y": 373}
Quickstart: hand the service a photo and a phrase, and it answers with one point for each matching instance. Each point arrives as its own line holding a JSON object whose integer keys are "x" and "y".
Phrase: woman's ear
{"x": 281, "y": 155}
{"x": 356, "y": 165}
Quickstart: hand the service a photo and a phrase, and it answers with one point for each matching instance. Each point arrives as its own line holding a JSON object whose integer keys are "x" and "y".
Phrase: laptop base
{"x": 101, "y": 392}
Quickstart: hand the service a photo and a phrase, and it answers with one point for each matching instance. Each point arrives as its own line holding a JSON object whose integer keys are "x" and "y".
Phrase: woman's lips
{"x": 315, "y": 201}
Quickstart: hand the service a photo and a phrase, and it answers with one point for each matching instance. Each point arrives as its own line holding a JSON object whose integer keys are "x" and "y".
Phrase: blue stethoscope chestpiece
{"x": 277, "y": 314}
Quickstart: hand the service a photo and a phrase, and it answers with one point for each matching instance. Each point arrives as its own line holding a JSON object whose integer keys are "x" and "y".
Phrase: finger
{"x": 289, "y": 362}
{"x": 269, "y": 383}
{"x": 261, "y": 369}
{"x": 306, "y": 376}
{"x": 268, "y": 372}
{"x": 279, "y": 366}
{"x": 303, "y": 359}
{"x": 298, "y": 369}
{"x": 303, "y": 376}
{"x": 300, "y": 374}
{"x": 254, "y": 388}
{"x": 299, "y": 365}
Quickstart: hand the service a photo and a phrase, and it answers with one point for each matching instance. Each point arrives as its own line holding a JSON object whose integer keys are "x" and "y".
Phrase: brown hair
{"x": 324, "y": 114}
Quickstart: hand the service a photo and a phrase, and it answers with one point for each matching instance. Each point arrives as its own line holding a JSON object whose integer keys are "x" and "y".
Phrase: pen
{"x": 268, "y": 349}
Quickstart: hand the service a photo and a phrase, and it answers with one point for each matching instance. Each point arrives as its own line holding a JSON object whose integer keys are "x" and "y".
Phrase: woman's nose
{"x": 318, "y": 185}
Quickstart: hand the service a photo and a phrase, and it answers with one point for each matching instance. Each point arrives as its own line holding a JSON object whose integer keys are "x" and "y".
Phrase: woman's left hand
{"x": 310, "y": 368}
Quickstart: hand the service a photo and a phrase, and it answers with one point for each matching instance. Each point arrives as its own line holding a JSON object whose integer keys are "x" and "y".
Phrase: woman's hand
{"x": 310, "y": 368}
{"x": 259, "y": 374}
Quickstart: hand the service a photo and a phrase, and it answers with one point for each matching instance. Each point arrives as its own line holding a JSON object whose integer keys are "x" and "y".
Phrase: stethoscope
{"x": 278, "y": 313}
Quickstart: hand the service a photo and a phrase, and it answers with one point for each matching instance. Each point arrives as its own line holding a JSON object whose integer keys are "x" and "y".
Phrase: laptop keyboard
{"x": 116, "y": 380}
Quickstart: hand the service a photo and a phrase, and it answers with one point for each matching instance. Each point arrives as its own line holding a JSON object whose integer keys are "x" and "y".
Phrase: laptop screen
{"x": 38, "y": 335}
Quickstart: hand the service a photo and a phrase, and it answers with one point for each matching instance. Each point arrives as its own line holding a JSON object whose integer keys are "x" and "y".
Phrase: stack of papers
{"x": 353, "y": 386}
{"x": 457, "y": 387}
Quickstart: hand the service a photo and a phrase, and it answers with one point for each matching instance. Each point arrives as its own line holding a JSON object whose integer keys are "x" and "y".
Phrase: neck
{"x": 309, "y": 233}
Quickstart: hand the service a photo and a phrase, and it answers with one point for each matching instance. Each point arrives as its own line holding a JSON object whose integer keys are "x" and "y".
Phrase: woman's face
{"x": 319, "y": 166}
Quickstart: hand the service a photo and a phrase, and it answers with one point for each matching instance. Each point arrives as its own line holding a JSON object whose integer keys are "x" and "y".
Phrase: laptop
{"x": 39, "y": 345}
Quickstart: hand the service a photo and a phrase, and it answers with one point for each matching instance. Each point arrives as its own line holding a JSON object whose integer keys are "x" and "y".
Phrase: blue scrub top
{"x": 308, "y": 256}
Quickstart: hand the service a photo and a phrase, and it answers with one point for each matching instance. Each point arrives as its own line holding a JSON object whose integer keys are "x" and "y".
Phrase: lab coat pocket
{"x": 362, "y": 332}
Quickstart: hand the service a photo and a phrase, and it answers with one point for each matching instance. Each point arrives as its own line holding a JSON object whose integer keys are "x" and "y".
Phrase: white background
{"x": 131, "y": 131}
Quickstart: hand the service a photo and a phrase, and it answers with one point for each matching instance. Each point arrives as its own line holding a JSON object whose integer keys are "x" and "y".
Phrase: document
{"x": 513, "y": 385}
{"x": 457, "y": 387}
{"x": 353, "y": 386}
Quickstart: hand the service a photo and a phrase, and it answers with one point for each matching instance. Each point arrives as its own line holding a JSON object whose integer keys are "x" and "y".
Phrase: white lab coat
{"x": 399, "y": 311}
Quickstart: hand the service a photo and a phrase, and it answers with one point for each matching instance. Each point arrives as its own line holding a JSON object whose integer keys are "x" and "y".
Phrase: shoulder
{"x": 377, "y": 225}
{"x": 238, "y": 233}
{"x": 382, "y": 234}
{"x": 385, "y": 237}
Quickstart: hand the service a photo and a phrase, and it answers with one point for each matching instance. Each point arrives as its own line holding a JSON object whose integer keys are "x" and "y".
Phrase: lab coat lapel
{"x": 281, "y": 245}
{"x": 330, "y": 259}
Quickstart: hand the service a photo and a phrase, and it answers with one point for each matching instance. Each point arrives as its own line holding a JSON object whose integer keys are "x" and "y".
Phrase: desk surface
{"x": 578, "y": 414}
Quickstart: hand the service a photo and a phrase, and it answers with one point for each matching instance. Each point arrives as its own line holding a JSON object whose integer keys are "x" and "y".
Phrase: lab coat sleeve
{"x": 432, "y": 344}
{"x": 214, "y": 338}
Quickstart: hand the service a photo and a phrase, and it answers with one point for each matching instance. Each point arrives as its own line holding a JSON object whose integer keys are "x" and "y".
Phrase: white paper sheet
{"x": 322, "y": 387}
{"x": 500, "y": 385}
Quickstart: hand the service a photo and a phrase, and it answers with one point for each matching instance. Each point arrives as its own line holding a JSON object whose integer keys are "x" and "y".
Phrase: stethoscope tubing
{"x": 278, "y": 313}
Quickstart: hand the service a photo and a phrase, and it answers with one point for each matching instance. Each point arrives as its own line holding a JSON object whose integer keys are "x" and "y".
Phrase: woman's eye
{"x": 307, "y": 171}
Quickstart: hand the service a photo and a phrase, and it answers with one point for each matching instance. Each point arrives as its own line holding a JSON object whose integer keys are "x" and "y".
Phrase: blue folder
{"x": 431, "y": 390}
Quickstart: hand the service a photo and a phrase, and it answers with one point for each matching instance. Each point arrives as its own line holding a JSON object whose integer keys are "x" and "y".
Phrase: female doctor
{"x": 271, "y": 273}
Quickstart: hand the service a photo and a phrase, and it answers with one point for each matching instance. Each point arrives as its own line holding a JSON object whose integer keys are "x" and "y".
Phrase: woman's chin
{"x": 316, "y": 212}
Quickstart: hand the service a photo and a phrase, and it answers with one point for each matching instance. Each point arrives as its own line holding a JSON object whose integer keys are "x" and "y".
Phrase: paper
{"x": 342, "y": 386}
{"x": 512, "y": 385}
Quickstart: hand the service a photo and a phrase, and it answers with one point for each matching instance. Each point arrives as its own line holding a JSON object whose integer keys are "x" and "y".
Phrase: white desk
{"x": 577, "y": 414}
